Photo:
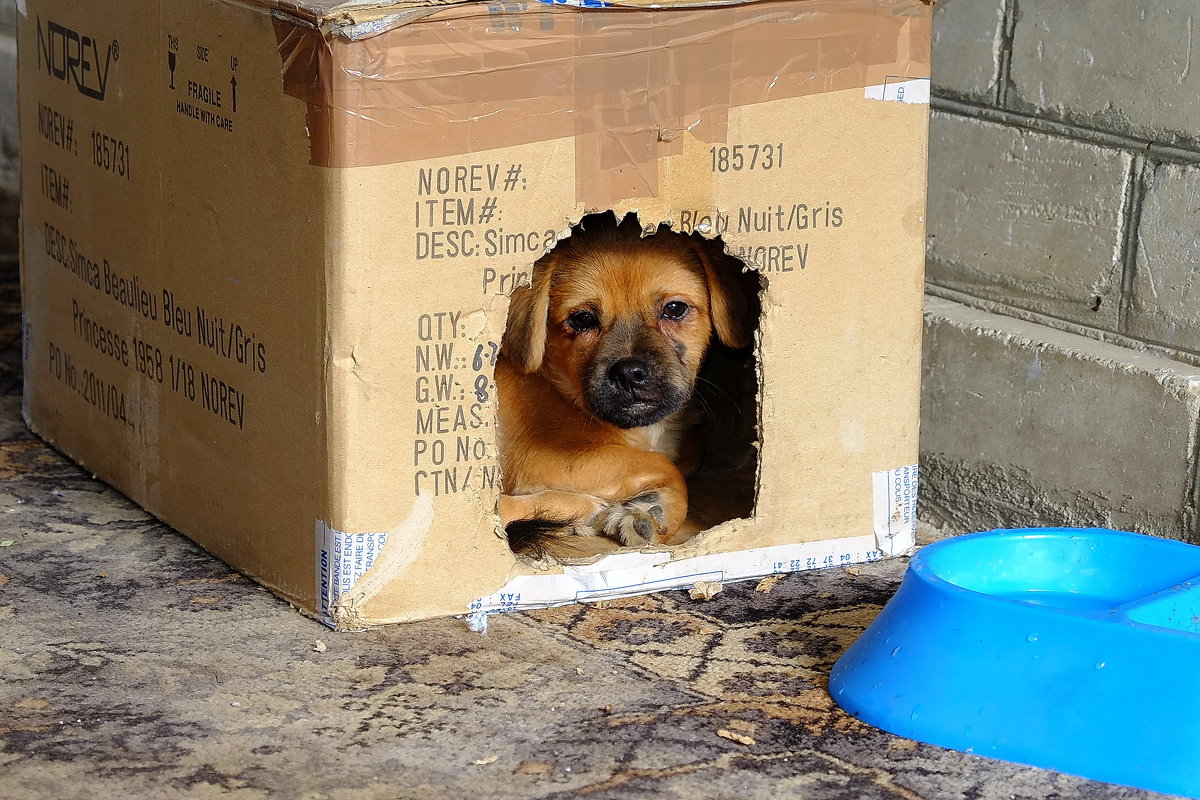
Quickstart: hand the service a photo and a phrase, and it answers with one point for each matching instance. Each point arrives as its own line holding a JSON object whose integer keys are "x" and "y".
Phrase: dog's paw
{"x": 635, "y": 522}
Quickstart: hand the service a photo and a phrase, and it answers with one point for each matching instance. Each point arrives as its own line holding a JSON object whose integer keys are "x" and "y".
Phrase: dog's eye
{"x": 583, "y": 321}
{"x": 675, "y": 310}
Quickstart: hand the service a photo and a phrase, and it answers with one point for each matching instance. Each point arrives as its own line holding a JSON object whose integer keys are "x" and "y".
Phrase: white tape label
{"x": 625, "y": 574}
{"x": 900, "y": 90}
{"x": 342, "y": 558}
{"x": 895, "y": 495}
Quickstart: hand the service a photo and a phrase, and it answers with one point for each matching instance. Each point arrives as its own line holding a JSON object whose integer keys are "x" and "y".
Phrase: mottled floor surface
{"x": 134, "y": 665}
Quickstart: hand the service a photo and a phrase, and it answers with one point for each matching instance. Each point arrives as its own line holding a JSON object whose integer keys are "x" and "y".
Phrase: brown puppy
{"x": 595, "y": 382}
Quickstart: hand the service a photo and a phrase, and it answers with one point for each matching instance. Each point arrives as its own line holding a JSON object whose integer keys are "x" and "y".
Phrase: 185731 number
{"x": 111, "y": 155}
{"x": 746, "y": 157}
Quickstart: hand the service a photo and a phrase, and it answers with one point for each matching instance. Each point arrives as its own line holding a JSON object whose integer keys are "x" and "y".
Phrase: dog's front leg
{"x": 652, "y": 502}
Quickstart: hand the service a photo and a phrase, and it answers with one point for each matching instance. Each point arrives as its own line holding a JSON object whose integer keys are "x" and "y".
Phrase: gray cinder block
{"x": 1025, "y": 425}
{"x": 1165, "y": 302}
{"x": 1027, "y": 219}
{"x": 1110, "y": 64}
{"x": 967, "y": 42}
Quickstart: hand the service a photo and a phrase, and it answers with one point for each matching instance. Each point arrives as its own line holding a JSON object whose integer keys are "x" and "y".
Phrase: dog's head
{"x": 620, "y": 323}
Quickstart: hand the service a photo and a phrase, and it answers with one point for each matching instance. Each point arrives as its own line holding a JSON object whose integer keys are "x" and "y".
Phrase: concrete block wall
{"x": 1027, "y": 425}
{"x": 1065, "y": 203}
{"x": 1065, "y": 165}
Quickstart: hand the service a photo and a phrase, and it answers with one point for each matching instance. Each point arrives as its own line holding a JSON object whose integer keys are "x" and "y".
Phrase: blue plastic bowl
{"x": 1076, "y": 650}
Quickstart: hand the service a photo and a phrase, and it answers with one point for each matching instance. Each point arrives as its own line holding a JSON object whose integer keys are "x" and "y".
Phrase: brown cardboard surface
{"x": 349, "y": 218}
{"x": 182, "y": 217}
{"x": 838, "y": 387}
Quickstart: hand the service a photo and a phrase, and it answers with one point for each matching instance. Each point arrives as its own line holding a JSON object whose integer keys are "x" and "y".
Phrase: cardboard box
{"x": 268, "y": 247}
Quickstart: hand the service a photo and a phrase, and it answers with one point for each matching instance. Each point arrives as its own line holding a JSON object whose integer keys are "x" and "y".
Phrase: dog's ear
{"x": 525, "y": 334}
{"x": 732, "y": 294}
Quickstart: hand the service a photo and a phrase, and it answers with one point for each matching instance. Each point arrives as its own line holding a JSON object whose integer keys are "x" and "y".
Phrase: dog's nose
{"x": 629, "y": 373}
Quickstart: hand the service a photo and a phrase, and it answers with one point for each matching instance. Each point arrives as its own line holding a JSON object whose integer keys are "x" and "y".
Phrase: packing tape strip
{"x": 626, "y": 574}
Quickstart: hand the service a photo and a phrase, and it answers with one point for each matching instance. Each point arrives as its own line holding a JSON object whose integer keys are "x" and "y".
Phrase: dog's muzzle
{"x": 634, "y": 393}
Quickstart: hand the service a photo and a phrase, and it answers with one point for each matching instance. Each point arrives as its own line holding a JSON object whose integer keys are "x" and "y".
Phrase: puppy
{"x": 595, "y": 383}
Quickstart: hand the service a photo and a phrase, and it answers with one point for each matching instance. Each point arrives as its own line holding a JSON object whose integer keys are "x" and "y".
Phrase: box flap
{"x": 322, "y": 11}
{"x": 357, "y": 19}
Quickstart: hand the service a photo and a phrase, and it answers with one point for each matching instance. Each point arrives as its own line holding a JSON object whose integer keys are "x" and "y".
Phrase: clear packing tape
{"x": 439, "y": 81}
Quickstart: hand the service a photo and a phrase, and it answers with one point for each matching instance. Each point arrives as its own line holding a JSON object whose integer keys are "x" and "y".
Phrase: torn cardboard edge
{"x": 354, "y": 567}
{"x": 627, "y": 574}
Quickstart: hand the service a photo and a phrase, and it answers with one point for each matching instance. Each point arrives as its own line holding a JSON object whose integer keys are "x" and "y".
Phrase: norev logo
{"x": 75, "y": 58}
